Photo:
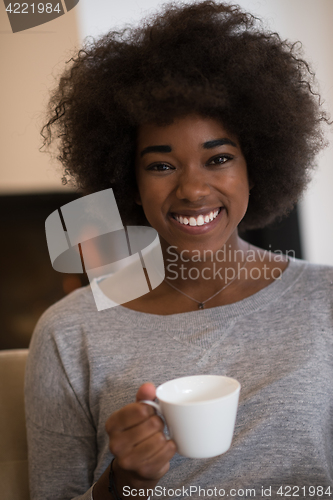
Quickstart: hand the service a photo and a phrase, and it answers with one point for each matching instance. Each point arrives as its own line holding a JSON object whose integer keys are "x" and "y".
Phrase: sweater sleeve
{"x": 61, "y": 435}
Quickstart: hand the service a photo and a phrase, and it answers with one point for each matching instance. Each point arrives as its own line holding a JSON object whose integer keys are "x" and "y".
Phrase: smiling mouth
{"x": 200, "y": 220}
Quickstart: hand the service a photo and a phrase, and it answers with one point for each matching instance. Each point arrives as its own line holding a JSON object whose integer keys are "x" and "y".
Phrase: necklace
{"x": 202, "y": 304}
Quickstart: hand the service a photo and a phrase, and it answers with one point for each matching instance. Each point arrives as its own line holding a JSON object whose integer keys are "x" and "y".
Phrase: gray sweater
{"x": 84, "y": 364}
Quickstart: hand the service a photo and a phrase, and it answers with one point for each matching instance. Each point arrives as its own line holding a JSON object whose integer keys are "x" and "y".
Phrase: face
{"x": 192, "y": 182}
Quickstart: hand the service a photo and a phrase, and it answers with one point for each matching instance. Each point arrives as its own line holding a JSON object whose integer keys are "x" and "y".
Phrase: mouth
{"x": 202, "y": 219}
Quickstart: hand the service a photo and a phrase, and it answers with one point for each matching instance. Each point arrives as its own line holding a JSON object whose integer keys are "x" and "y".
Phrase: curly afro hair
{"x": 208, "y": 58}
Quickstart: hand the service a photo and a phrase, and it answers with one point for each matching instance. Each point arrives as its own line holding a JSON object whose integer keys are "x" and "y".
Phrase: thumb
{"x": 146, "y": 391}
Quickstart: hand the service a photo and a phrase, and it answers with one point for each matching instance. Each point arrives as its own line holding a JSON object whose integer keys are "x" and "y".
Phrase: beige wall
{"x": 28, "y": 59}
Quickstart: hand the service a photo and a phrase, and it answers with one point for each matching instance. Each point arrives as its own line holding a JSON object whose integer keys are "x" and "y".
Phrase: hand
{"x": 137, "y": 441}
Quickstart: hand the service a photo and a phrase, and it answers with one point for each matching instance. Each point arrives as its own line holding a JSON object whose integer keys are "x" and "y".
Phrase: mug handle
{"x": 159, "y": 413}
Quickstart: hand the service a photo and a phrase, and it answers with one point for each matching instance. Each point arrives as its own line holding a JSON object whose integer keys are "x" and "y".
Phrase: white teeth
{"x": 199, "y": 221}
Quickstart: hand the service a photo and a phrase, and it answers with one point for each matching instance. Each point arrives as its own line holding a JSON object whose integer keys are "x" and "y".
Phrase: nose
{"x": 192, "y": 185}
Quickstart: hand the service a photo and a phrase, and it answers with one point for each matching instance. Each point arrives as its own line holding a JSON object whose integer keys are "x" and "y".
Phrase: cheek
{"x": 240, "y": 182}
{"x": 152, "y": 191}
{"x": 146, "y": 197}
{"x": 144, "y": 193}
{"x": 236, "y": 186}
{"x": 141, "y": 190}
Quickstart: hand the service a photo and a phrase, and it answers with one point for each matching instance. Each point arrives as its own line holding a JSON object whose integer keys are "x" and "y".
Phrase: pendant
{"x": 201, "y": 305}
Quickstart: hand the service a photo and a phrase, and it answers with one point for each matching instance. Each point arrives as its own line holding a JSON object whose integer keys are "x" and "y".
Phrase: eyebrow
{"x": 219, "y": 142}
{"x": 206, "y": 145}
{"x": 156, "y": 149}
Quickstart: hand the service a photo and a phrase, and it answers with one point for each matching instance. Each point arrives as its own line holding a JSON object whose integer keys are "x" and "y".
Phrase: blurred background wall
{"x": 31, "y": 61}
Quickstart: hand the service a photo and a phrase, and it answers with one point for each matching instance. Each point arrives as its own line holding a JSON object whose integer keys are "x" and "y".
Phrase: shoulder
{"x": 75, "y": 324}
{"x": 312, "y": 280}
{"x": 311, "y": 270}
{"x": 62, "y": 327}
{"x": 77, "y": 303}
{"x": 59, "y": 322}
{"x": 76, "y": 309}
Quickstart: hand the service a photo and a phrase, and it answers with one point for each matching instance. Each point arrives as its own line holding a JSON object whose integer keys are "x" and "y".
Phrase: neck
{"x": 205, "y": 270}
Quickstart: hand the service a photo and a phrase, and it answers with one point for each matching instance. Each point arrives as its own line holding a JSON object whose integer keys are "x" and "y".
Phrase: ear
{"x": 137, "y": 198}
{"x": 250, "y": 181}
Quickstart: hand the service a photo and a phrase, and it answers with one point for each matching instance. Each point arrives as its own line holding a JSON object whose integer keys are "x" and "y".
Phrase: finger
{"x": 157, "y": 447}
{"x": 127, "y": 417}
{"x": 149, "y": 457}
{"x": 146, "y": 391}
{"x": 123, "y": 443}
{"x": 158, "y": 464}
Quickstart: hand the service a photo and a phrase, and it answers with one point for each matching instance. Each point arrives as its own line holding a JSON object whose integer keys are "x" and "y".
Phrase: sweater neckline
{"x": 224, "y": 313}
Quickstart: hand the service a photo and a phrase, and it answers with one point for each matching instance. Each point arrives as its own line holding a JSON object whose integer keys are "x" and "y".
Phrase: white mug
{"x": 200, "y": 413}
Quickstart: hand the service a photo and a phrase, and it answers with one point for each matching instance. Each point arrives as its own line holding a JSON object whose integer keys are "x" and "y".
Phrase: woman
{"x": 202, "y": 123}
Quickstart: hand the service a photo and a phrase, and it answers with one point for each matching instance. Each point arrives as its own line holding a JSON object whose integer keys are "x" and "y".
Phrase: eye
{"x": 160, "y": 167}
{"x": 220, "y": 159}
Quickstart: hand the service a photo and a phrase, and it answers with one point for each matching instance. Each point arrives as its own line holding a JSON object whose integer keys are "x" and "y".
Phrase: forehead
{"x": 191, "y": 129}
